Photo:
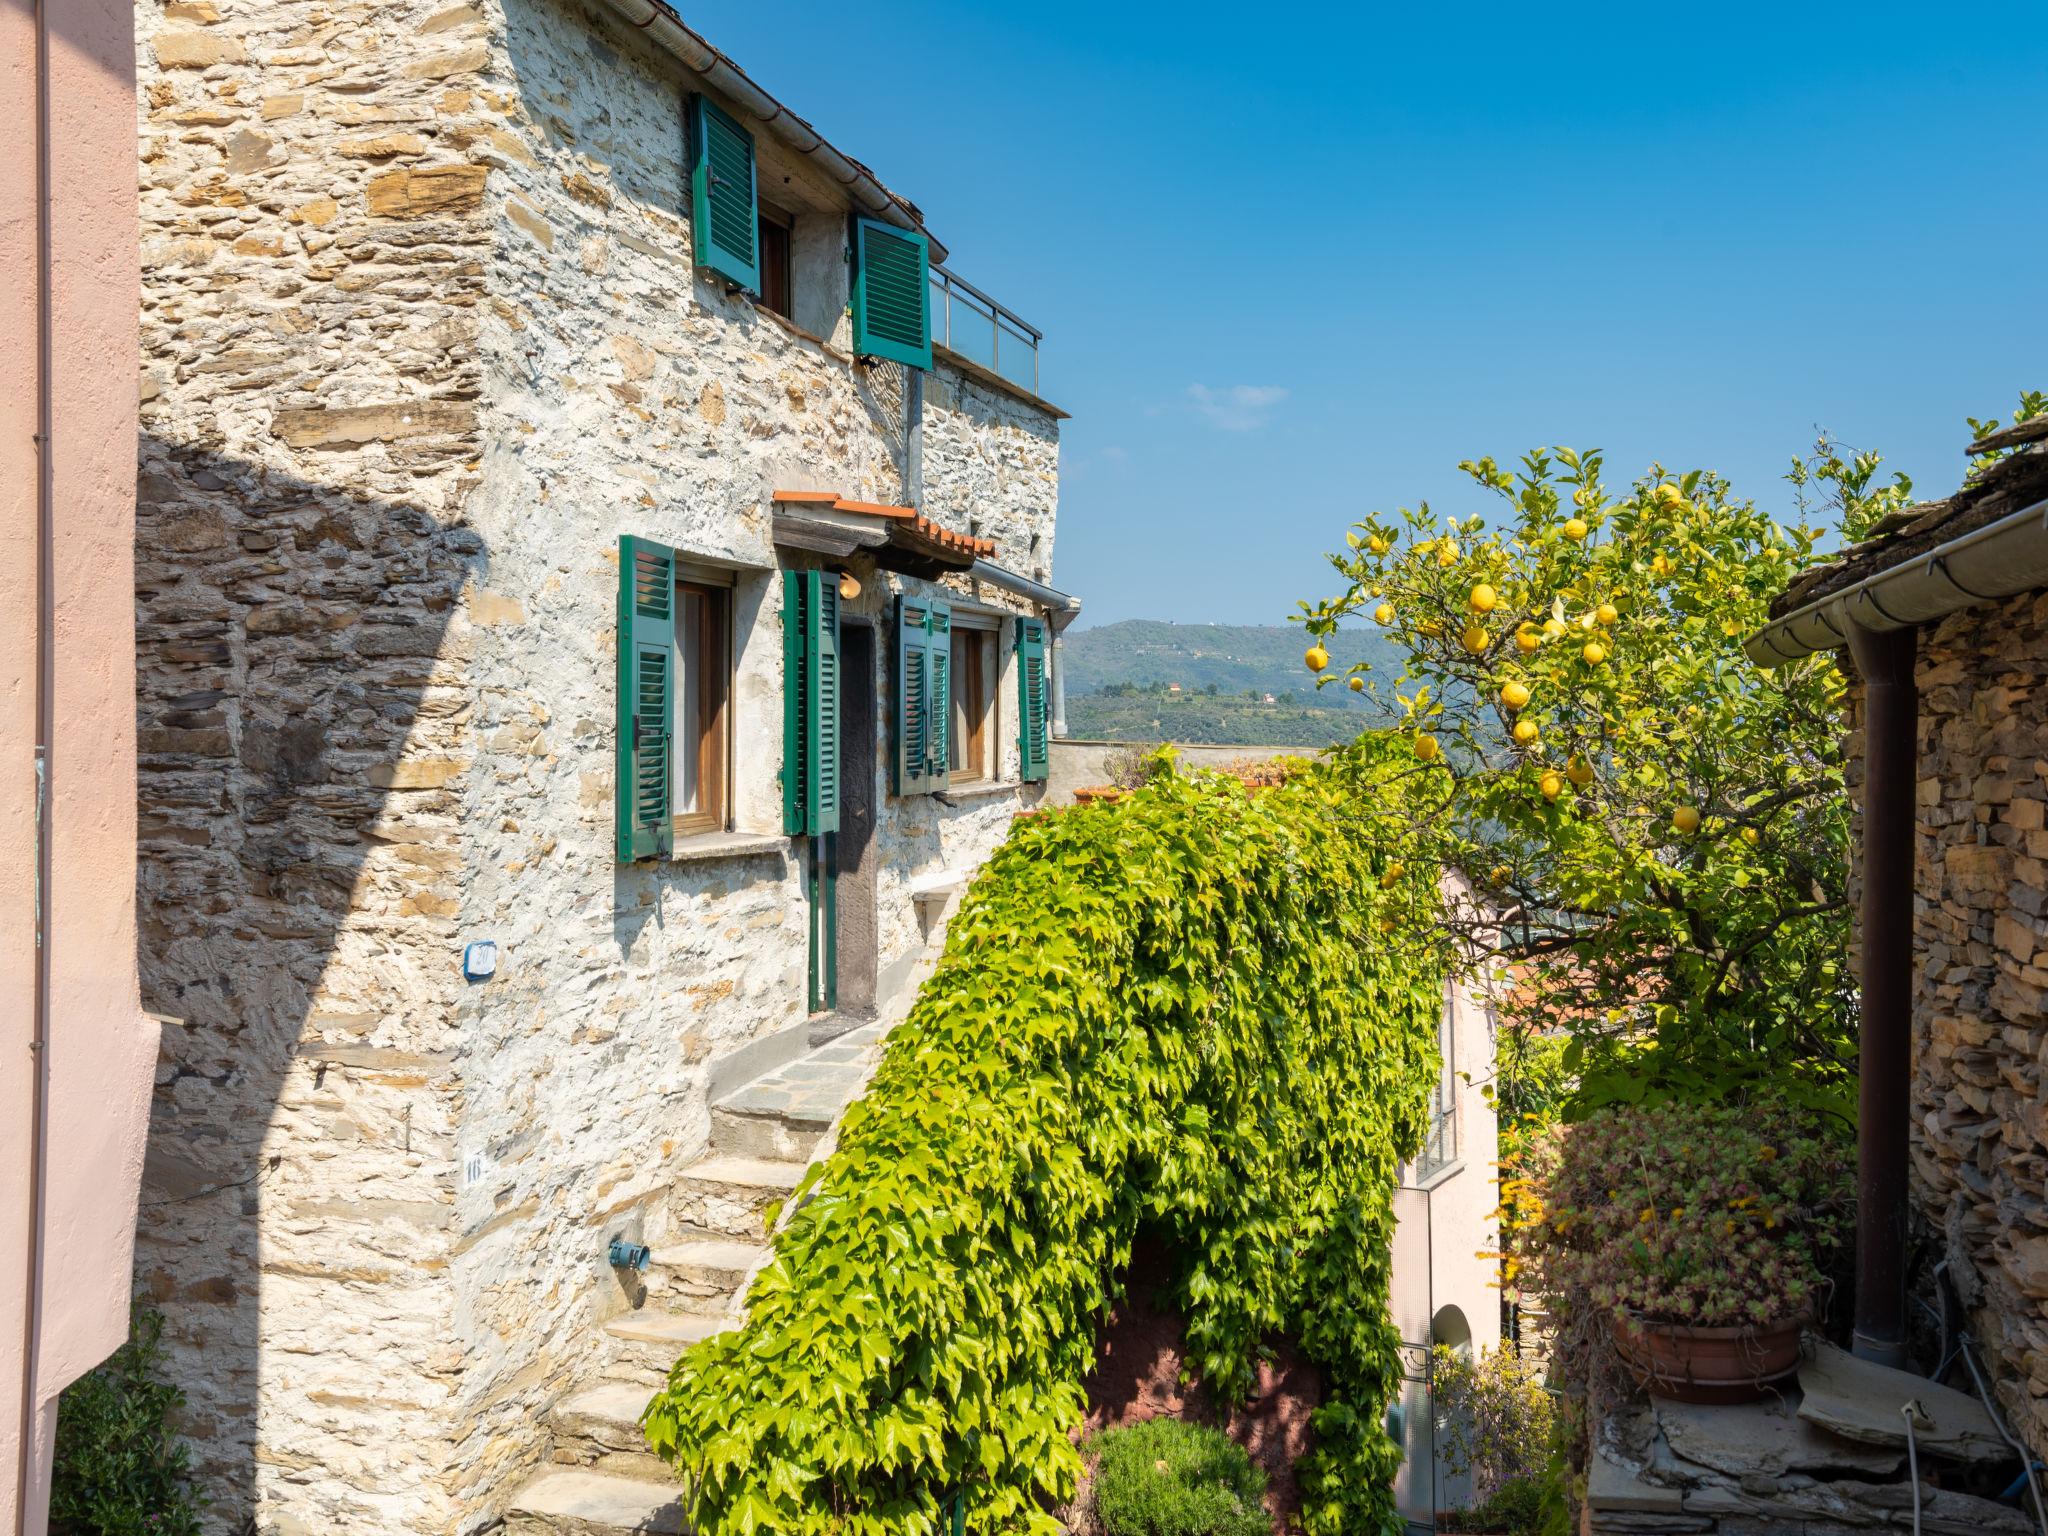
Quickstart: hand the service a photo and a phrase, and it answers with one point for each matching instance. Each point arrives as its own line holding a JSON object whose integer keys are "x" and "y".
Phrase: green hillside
{"x": 1232, "y": 658}
{"x": 1120, "y": 677}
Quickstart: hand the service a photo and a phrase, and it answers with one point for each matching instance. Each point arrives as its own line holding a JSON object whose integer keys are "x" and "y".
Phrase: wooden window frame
{"x": 708, "y": 737}
{"x": 776, "y": 231}
{"x": 978, "y": 741}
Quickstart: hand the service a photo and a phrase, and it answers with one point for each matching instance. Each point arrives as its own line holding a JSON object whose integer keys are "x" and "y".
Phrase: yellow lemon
{"x": 1426, "y": 748}
{"x": 1514, "y": 695}
{"x": 1661, "y": 565}
{"x": 1384, "y": 614}
{"x": 1594, "y": 652}
{"x": 1579, "y": 770}
{"x": 1501, "y": 874}
{"x": 1393, "y": 875}
{"x": 1686, "y": 820}
{"x": 1553, "y": 627}
{"x": 1388, "y": 925}
{"x": 1376, "y": 544}
{"x": 1527, "y": 638}
{"x": 1670, "y": 494}
{"x": 1483, "y": 599}
{"x": 1429, "y": 627}
{"x": 1751, "y": 836}
{"x": 1525, "y": 733}
{"x": 1550, "y": 784}
{"x": 1447, "y": 552}
{"x": 1474, "y": 639}
{"x": 1582, "y": 497}
{"x": 1357, "y": 685}
{"x": 1607, "y": 613}
{"x": 1316, "y": 657}
{"x": 1575, "y": 529}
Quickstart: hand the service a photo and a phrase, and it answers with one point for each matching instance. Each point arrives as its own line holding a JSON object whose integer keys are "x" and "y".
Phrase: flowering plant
{"x": 1493, "y": 1418}
{"x": 1707, "y": 1215}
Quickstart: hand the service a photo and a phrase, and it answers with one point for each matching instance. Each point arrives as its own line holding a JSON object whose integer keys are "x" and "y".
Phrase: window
{"x": 703, "y": 705}
{"x": 973, "y": 726}
{"x": 775, "y": 269}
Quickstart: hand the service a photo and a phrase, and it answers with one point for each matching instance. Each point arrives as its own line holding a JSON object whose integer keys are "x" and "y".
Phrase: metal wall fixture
{"x": 625, "y": 1255}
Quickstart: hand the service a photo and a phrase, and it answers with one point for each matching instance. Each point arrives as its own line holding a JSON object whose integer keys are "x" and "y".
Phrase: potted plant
{"x": 1702, "y": 1233}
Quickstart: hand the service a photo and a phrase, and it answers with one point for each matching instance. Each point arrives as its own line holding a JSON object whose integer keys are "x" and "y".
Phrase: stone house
{"x": 1943, "y": 612}
{"x": 593, "y": 609}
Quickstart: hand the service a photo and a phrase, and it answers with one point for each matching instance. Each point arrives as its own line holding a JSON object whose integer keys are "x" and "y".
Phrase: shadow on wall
{"x": 297, "y": 890}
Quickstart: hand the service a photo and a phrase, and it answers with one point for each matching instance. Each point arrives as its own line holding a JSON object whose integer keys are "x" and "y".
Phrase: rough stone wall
{"x": 314, "y": 248}
{"x": 1980, "y": 1115}
{"x": 422, "y": 338}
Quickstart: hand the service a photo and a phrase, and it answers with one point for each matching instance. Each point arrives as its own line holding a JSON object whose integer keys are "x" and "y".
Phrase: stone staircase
{"x": 764, "y": 1135}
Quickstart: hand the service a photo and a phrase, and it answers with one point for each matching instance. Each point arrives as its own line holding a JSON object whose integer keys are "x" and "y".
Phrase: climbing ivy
{"x": 1184, "y": 1010}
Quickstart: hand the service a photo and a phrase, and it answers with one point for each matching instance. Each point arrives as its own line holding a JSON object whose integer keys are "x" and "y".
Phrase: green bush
{"x": 119, "y": 1471}
{"x": 1516, "y": 1509}
{"x": 1185, "y": 1009}
{"x": 1167, "y": 1477}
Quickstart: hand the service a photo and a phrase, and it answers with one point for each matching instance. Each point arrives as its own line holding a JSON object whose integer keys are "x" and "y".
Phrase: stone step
{"x": 703, "y": 1274}
{"x": 646, "y": 1343}
{"x": 581, "y": 1502}
{"x": 600, "y": 1418}
{"x": 787, "y": 1135}
{"x": 730, "y": 1196}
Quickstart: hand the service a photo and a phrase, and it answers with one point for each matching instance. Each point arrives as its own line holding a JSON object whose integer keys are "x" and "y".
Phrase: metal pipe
{"x": 661, "y": 22}
{"x": 45, "y": 710}
{"x": 1063, "y": 607}
{"x": 1891, "y": 761}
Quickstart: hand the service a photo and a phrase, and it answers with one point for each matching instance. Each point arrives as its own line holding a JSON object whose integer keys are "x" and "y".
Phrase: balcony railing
{"x": 967, "y": 321}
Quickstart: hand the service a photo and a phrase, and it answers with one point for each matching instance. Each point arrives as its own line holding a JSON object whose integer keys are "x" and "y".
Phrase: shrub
{"x": 1495, "y": 1418}
{"x": 119, "y": 1470}
{"x": 1516, "y": 1509}
{"x": 1181, "y": 1010}
{"x": 1167, "y": 1477}
{"x": 1699, "y": 1214}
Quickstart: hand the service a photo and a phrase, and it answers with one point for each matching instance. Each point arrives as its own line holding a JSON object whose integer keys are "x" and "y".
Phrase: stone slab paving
{"x": 817, "y": 1086}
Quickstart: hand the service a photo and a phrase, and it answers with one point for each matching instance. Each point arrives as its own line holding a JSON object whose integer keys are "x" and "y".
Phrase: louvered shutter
{"x": 1032, "y": 703}
{"x": 725, "y": 226}
{"x": 939, "y": 712}
{"x": 810, "y": 703}
{"x": 892, "y": 293}
{"x": 646, "y": 712}
{"x": 910, "y": 763}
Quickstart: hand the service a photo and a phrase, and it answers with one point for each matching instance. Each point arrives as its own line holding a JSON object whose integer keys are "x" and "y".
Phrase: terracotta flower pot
{"x": 1708, "y": 1365}
{"x": 1107, "y": 794}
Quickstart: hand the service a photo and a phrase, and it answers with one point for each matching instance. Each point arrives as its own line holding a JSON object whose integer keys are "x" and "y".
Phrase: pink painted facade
{"x": 68, "y": 259}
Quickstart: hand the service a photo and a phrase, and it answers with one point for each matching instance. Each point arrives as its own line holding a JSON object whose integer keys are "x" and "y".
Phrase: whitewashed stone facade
{"x": 422, "y": 338}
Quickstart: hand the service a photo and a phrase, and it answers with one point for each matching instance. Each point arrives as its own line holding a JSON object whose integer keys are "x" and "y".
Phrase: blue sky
{"x": 1294, "y": 262}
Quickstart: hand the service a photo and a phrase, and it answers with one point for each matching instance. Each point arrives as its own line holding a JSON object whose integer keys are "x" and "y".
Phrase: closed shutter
{"x": 810, "y": 693}
{"x": 892, "y": 293}
{"x": 646, "y": 713}
{"x": 725, "y": 220}
{"x": 1032, "y": 703}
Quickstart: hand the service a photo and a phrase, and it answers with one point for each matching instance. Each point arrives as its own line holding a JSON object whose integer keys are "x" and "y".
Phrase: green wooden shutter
{"x": 646, "y": 713}
{"x": 725, "y": 225}
{"x": 810, "y": 703}
{"x": 892, "y": 293}
{"x": 1032, "y": 703}
{"x": 910, "y": 763}
{"x": 939, "y": 719}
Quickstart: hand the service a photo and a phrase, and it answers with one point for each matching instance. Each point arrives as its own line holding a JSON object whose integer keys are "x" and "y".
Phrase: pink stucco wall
{"x": 100, "y": 1048}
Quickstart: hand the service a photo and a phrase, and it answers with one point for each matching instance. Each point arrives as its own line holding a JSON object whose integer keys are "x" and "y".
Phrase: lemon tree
{"x": 1656, "y": 827}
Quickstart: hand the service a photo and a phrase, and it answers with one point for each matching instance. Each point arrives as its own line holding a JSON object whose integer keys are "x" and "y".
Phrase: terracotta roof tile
{"x": 918, "y": 528}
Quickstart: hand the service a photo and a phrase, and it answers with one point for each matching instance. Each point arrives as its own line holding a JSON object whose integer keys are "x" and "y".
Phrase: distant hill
{"x": 1120, "y": 677}
{"x": 1234, "y": 658}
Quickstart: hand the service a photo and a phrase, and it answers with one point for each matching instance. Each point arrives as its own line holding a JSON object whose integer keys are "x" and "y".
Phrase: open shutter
{"x": 646, "y": 719}
{"x": 725, "y": 220}
{"x": 939, "y": 717}
{"x": 810, "y": 703}
{"x": 892, "y": 293}
{"x": 910, "y": 763}
{"x": 1032, "y": 703}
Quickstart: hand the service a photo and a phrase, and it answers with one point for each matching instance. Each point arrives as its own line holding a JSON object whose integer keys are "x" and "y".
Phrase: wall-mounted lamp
{"x": 849, "y": 589}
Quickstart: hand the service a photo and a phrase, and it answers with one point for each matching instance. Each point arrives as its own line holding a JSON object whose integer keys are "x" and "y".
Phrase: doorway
{"x": 857, "y": 855}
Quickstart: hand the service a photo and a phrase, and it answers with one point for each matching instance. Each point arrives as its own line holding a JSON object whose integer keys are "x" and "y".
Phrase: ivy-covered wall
{"x": 1195, "y": 1009}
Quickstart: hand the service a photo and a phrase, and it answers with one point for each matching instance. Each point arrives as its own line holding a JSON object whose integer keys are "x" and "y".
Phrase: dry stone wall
{"x": 421, "y": 339}
{"x": 1980, "y": 1115}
